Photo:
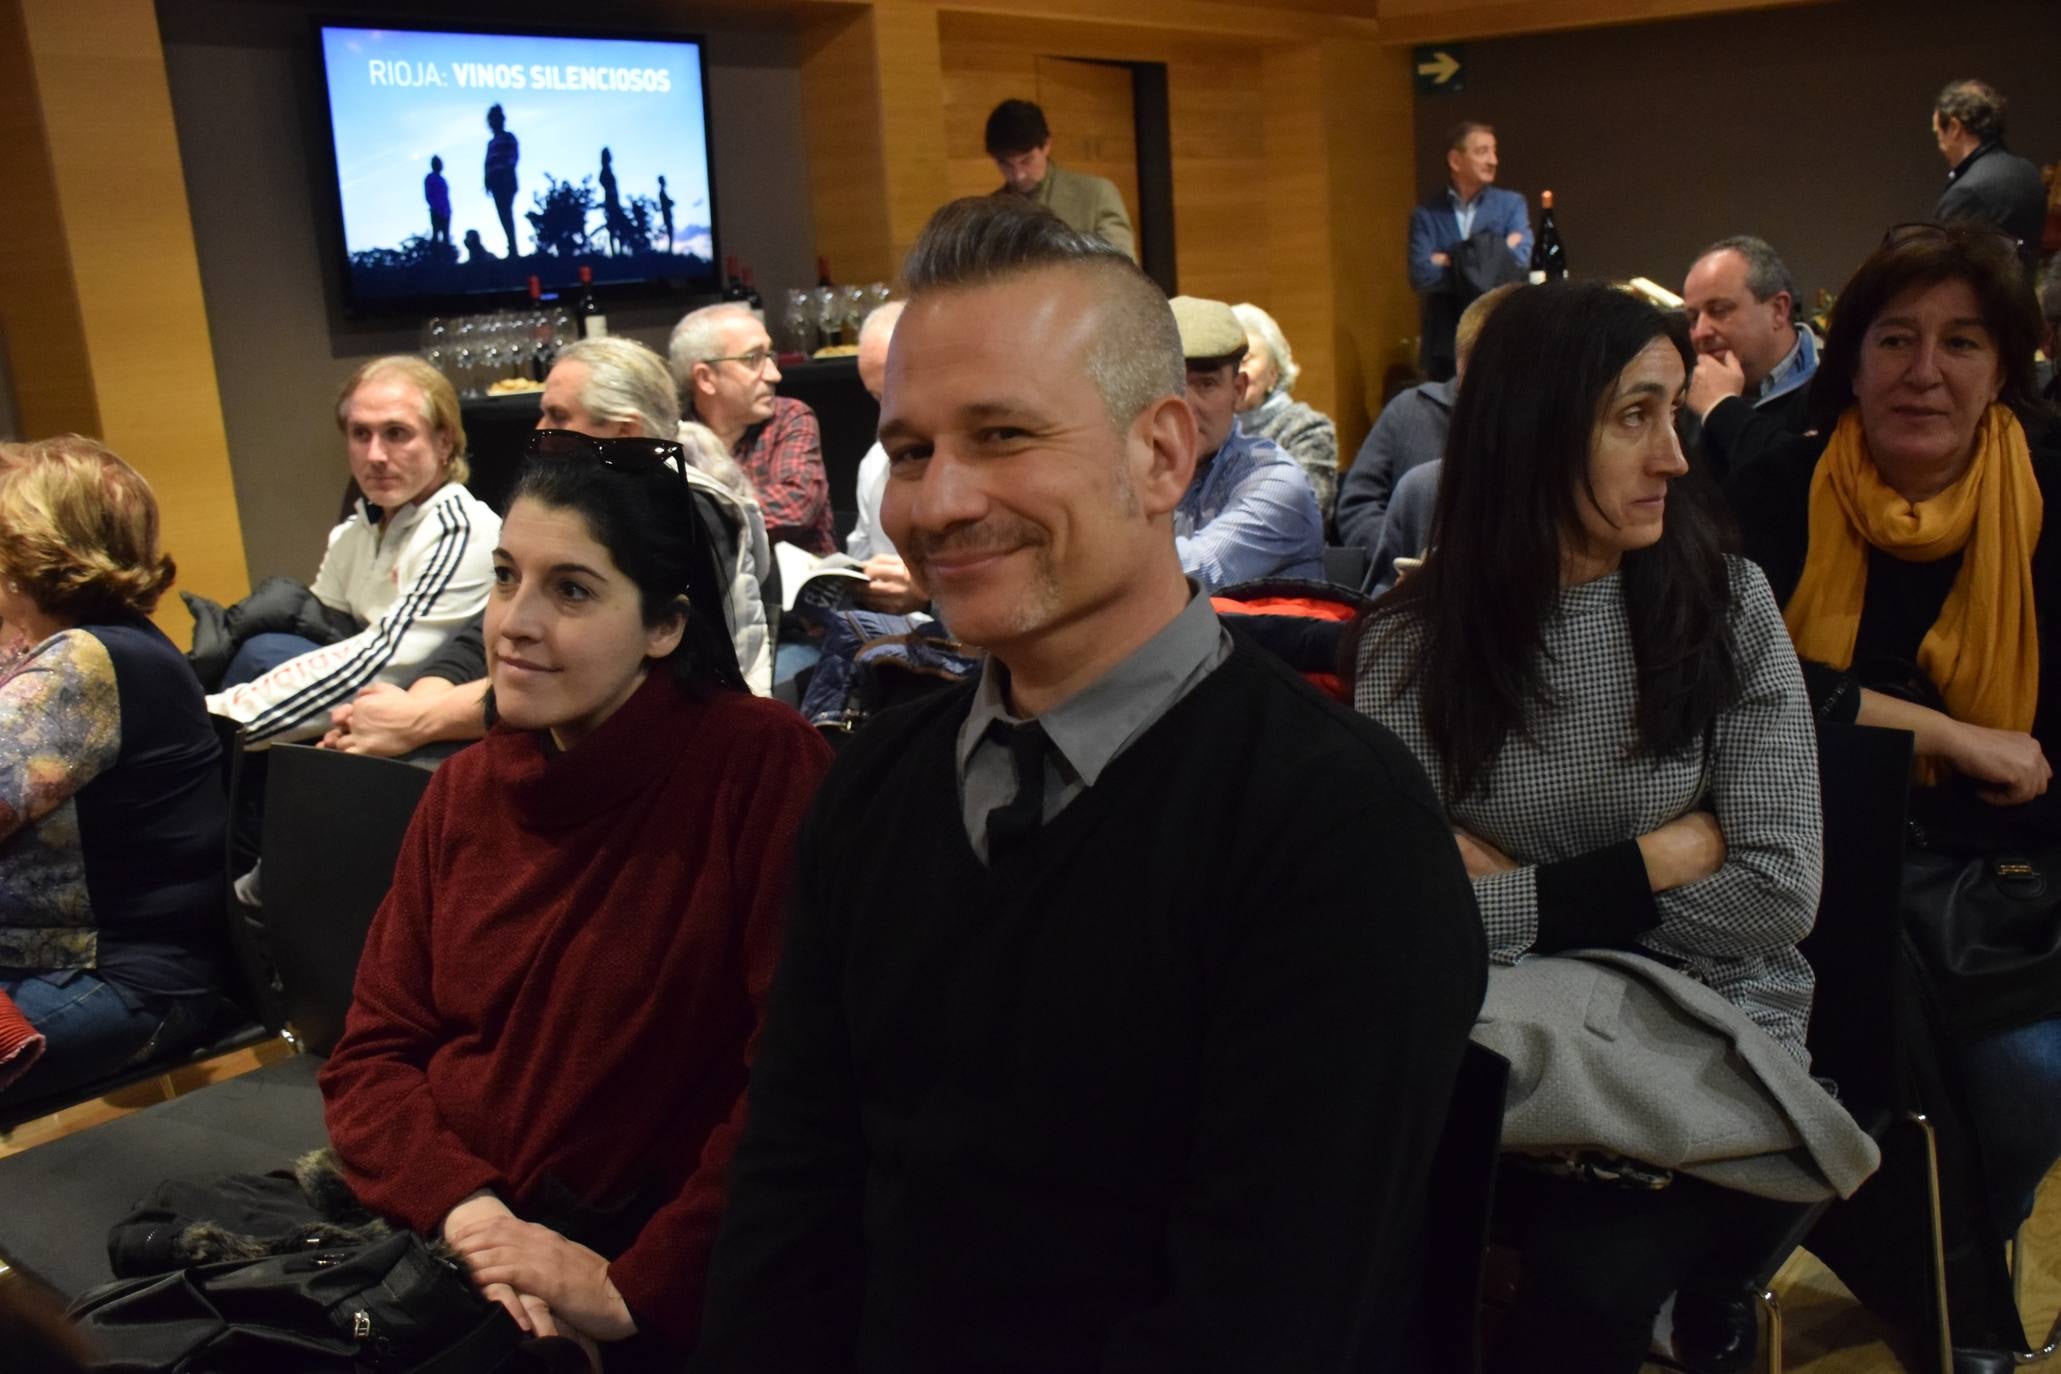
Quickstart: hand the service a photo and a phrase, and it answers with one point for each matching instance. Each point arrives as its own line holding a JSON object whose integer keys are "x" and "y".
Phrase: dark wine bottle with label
{"x": 751, "y": 294}
{"x": 539, "y": 365}
{"x": 593, "y": 324}
{"x": 1548, "y": 258}
{"x": 733, "y": 286}
{"x": 823, "y": 272}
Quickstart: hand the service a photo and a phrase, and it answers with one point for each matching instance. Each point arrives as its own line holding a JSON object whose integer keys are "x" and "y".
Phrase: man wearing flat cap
{"x": 1250, "y": 512}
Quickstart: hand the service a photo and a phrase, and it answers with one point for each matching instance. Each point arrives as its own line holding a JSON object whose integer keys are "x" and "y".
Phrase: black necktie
{"x": 1009, "y": 826}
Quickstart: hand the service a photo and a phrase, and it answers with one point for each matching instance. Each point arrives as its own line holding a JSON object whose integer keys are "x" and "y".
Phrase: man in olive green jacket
{"x": 1021, "y": 146}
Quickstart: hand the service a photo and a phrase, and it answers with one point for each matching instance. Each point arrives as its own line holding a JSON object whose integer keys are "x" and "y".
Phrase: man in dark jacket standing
{"x": 1988, "y": 181}
{"x": 1124, "y": 987}
{"x": 1467, "y": 239}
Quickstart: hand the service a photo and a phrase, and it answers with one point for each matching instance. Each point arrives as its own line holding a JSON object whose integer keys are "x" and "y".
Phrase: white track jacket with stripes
{"x": 427, "y": 574}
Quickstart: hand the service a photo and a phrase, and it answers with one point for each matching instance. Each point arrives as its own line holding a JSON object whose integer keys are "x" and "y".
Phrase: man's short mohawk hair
{"x": 1136, "y": 358}
{"x": 981, "y": 238}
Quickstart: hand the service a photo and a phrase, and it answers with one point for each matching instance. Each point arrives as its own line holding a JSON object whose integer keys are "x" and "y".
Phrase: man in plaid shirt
{"x": 723, "y": 360}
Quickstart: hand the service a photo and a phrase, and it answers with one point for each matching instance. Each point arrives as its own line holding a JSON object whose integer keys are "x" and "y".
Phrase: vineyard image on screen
{"x": 468, "y": 162}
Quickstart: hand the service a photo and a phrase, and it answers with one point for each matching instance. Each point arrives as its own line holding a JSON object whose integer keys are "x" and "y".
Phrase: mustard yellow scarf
{"x": 1983, "y": 652}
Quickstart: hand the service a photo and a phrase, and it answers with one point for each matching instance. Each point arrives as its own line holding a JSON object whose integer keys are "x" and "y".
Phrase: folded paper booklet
{"x": 830, "y": 580}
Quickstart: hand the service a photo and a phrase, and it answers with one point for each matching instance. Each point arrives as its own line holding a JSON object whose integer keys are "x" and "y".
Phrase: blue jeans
{"x": 2013, "y": 1087}
{"x": 260, "y": 654}
{"x": 92, "y": 1028}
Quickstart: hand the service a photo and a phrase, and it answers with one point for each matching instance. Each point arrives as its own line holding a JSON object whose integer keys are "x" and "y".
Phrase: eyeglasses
{"x": 755, "y": 360}
{"x": 1922, "y": 229}
{"x": 629, "y": 454}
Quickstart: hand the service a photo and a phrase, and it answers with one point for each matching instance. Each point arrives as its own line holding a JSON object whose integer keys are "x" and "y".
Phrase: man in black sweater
{"x": 1125, "y": 987}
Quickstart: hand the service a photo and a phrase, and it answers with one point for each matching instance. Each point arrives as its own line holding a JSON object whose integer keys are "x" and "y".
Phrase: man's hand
{"x": 1483, "y": 859}
{"x": 382, "y": 720}
{"x": 889, "y": 587}
{"x": 536, "y": 1260}
{"x": 1513, "y": 238}
{"x": 1441, "y": 260}
{"x": 1717, "y": 376}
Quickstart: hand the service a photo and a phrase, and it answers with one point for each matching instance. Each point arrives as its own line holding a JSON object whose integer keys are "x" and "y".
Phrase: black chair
{"x": 333, "y": 828}
{"x": 1459, "y": 1198}
{"x": 1855, "y": 1037}
{"x": 1347, "y": 565}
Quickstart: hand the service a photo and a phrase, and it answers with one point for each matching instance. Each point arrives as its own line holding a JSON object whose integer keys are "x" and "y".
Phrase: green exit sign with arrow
{"x": 1441, "y": 69}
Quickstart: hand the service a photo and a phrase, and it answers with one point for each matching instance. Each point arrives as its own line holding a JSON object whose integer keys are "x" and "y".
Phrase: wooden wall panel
{"x": 1300, "y": 269}
{"x": 848, "y": 161}
{"x": 107, "y": 264}
{"x": 911, "y": 121}
{"x": 979, "y": 72}
{"x": 1429, "y": 21}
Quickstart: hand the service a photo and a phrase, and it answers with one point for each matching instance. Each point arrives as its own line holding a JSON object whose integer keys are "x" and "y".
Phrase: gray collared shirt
{"x": 1090, "y": 728}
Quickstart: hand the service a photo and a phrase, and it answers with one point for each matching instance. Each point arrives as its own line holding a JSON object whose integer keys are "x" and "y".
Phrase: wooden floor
{"x": 137, "y": 1096}
{"x": 1827, "y": 1332}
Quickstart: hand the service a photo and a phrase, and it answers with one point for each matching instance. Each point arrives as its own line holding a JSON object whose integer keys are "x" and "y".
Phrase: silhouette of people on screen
{"x": 612, "y": 207}
{"x": 437, "y": 192}
{"x": 665, "y": 212}
{"x": 475, "y": 250}
{"x": 502, "y": 155}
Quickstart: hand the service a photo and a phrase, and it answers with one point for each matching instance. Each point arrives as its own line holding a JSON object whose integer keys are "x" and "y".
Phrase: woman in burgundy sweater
{"x": 547, "y": 1049}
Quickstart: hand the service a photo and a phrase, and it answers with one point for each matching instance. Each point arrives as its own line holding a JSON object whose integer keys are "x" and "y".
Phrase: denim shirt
{"x": 1795, "y": 369}
{"x": 1249, "y": 513}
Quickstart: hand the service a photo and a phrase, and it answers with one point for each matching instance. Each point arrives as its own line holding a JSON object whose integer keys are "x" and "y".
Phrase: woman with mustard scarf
{"x": 1906, "y": 540}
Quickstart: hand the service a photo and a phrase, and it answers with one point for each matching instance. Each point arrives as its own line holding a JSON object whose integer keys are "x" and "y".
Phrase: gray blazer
{"x": 1617, "y": 1052}
{"x": 1411, "y": 430}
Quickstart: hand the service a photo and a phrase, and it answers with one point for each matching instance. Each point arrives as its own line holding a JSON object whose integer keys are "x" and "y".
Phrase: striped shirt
{"x": 410, "y": 586}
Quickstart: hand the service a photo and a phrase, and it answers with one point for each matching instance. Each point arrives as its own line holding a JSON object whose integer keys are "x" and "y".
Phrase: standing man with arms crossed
{"x": 1149, "y": 1073}
{"x": 1453, "y": 238}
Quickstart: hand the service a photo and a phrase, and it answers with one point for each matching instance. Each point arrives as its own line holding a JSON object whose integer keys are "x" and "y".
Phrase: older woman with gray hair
{"x": 1305, "y": 432}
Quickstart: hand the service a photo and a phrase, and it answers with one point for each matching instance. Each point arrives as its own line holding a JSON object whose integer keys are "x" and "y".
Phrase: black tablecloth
{"x": 497, "y": 427}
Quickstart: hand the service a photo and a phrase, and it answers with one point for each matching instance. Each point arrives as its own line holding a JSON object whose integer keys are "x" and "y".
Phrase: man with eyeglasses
{"x": 722, "y": 359}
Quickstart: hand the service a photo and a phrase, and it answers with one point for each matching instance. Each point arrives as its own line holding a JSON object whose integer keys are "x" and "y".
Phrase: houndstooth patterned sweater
{"x": 1573, "y": 783}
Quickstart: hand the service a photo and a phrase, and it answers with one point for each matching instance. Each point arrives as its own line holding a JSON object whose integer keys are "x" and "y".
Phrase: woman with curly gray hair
{"x": 1308, "y": 434}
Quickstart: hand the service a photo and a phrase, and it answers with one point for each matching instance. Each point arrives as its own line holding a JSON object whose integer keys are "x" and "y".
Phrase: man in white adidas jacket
{"x": 412, "y": 563}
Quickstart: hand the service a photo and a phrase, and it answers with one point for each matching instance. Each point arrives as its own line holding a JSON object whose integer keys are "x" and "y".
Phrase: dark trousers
{"x": 1599, "y": 1261}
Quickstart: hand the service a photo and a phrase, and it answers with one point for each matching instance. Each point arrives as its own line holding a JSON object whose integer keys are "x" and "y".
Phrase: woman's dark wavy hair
{"x": 651, "y": 527}
{"x": 1926, "y": 255}
{"x": 1516, "y": 470}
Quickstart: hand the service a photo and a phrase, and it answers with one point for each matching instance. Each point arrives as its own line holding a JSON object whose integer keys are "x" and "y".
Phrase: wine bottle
{"x": 1548, "y": 258}
{"x": 593, "y": 324}
{"x": 823, "y": 272}
{"x": 733, "y": 287}
{"x": 751, "y": 295}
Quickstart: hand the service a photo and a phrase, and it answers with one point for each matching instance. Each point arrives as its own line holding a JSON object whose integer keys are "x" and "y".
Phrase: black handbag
{"x": 382, "y": 1305}
{"x": 1987, "y": 931}
{"x": 1984, "y": 920}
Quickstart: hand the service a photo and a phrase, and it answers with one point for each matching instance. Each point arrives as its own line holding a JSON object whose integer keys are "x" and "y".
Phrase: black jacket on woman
{"x": 1770, "y": 496}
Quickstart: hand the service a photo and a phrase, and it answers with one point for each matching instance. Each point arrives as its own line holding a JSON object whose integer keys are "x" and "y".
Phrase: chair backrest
{"x": 1864, "y": 777}
{"x": 1347, "y": 565}
{"x": 333, "y": 828}
{"x": 255, "y": 991}
{"x": 1457, "y": 1203}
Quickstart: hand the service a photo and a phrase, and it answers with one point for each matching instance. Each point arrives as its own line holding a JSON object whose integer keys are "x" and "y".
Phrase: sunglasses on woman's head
{"x": 630, "y": 454}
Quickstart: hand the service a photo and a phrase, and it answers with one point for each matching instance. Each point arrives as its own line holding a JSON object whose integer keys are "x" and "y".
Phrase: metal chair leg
{"x": 1771, "y": 1340}
{"x": 1936, "y": 1229}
